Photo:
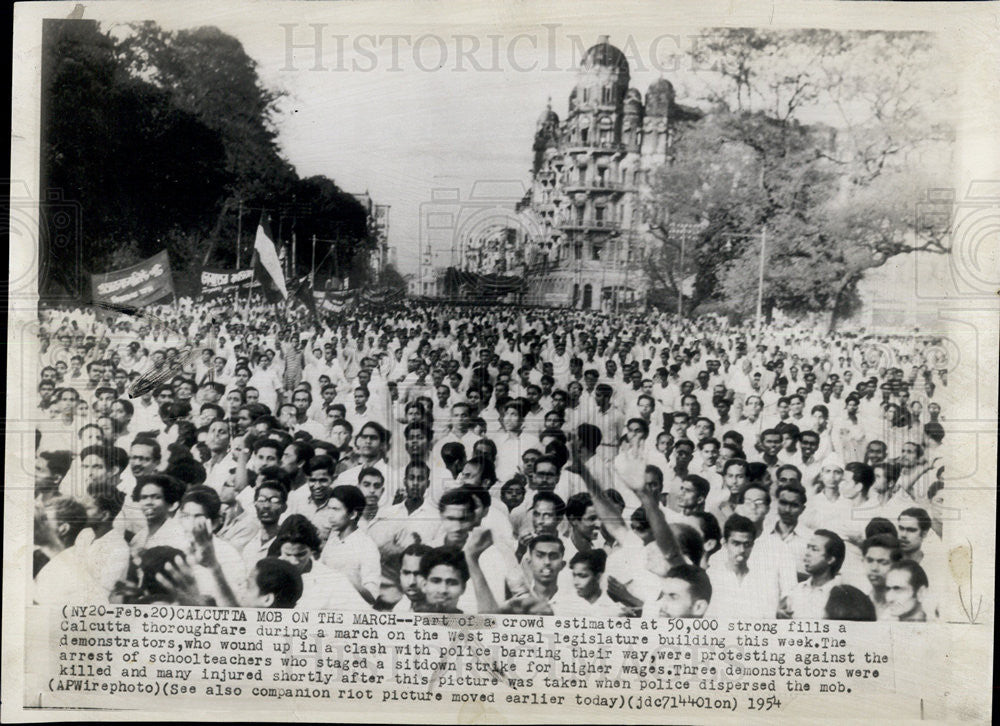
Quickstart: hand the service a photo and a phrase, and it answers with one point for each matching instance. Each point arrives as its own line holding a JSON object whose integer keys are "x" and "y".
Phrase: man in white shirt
{"x": 198, "y": 517}
{"x": 738, "y": 590}
{"x": 349, "y": 549}
{"x": 323, "y": 588}
{"x": 513, "y": 441}
{"x": 823, "y": 559}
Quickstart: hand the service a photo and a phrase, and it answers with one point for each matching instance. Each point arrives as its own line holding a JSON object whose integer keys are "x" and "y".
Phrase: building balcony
{"x": 608, "y": 225}
{"x": 595, "y": 185}
{"x": 579, "y": 147}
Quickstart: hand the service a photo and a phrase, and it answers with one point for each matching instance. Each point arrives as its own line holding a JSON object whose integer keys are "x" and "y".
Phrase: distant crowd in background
{"x": 487, "y": 459}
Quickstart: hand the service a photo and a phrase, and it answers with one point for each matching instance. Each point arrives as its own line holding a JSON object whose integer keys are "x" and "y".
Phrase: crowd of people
{"x": 486, "y": 459}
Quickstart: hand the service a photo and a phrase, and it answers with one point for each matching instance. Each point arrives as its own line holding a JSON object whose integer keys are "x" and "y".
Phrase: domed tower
{"x": 546, "y": 135}
{"x": 596, "y": 102}
{"x": 632, "y": 120}
{"x": 659, "y": 115}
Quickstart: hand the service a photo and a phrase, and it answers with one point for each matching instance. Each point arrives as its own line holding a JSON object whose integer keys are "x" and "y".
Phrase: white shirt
{"x": 808, "y": 602}
{"x": 753, "y": 596}
{"x": 566, "y": 602}
{"x": 326, "y": 589}
{"x": 356, "y": 556}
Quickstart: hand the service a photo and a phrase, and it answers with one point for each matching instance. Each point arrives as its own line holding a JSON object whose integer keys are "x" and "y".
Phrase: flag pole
{"x": 253, "y": 268}
{"x": 253, "y": 271}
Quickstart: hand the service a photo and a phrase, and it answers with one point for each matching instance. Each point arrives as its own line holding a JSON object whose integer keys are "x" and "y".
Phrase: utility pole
{"x": 312, "y": 266}
{"x": 239, "y": 234}
{"x": 760, "y": 277}
{"x": 680, "y": 279}
{"x": 291, "y": 263}
{"x": 336, "y": 255}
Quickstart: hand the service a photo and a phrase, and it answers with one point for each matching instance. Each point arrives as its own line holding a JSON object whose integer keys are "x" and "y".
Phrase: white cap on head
{"x": 833, "y": 461}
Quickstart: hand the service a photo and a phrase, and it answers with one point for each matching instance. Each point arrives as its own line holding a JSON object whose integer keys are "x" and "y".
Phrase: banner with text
{"x": 216, "y": 282}
{"x": 138, "y": 285}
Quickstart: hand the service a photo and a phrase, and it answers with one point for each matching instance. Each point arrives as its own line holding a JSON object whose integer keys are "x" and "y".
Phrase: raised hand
{"x": 178, "y": 579}
{"x": 201, "y": 547}
{"x": 478, "y": 542}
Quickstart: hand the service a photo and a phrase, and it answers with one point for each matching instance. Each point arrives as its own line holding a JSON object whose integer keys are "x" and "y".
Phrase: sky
{"x": 440, "y": 106}
{"x": 414, "y": 103}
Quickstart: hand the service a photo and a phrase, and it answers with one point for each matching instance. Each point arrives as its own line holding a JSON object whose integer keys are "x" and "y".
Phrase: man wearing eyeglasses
{"x": 270, "y": 502}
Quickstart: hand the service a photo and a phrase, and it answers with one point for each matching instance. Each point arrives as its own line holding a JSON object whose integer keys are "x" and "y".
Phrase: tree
{"x": 734, "y": 173}
{"x": 393, "y": 280}
{"x": 140, "y": 169}
{"x": 822, "y": 138}
{"x": 209, "y": 74}
{"x": 159, "y": 138}
{"x": 335, "y": 217}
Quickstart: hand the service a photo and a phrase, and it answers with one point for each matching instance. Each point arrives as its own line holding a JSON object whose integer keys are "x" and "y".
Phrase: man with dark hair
{"x": 270, "y": 502}
{"x": 92, "y": 554}
{"x": 546, "y": 516}
{"x": 807, "y": 461}
{"x": 587, "y": 596}
{"x": 734, "y": 480}
{"x": 445, "y": 574}
{"x": 410, "y": 579}
{"x": 920, "y": 544}
{"x": 50, "y": 469}
{"x": 348, "y": 548}
{"x": 198, "y": 517}
{"x": 313, "y": 500}
{"x": 784, "y": 537}
{"x": 459, "y": 429}
{"x": 686, "y": 592}
{"x": 512, "y": 493}
{"x": 584, "y": 524}
{"x": 545, "y": 559}
{"x": 323, "y": 588}
{"x": 849, "y": 603}
{"x": 905, "y": 587}
{"x": 823, "y": 560}
{"x": 880, "y": 552}
{"x": 462, "y": 512}
{"x": 390, "y": 528}
{"x": 273, "y": 583}
{"x": 770, "y": 447}
{"x": 293, "y": 461}
{"x": 158, "y": 496}
{"x": 58, "y": 522}
{"x": 370, "y": 444}
{"x": 739, "y": 589}
{"x": 690, "y": 500}
{"x": 913, "y": 525}
{"x": 513, "y": 439}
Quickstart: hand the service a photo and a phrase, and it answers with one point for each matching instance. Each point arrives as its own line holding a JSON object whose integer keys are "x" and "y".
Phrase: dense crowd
{"x": 486, "y": 459}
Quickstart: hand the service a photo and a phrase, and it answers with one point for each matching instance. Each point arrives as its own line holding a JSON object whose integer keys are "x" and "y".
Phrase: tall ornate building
{"x": 583, "y": 241}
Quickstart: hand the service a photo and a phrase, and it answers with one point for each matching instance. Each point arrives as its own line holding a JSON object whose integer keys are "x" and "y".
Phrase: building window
{"x": 578, "y": 251}
{"x": 599, "y": 214}
{"x": 583, "y": 135}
